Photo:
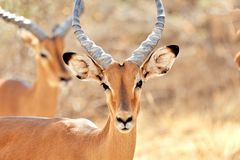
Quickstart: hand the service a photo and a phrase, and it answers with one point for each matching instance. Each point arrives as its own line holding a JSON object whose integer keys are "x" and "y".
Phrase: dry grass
{"x": 192, "y": 113}
{"x": 188, "y": 137}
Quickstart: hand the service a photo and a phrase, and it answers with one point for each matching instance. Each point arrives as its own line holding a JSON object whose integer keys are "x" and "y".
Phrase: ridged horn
{"x": 62, "y": 29}
{"x": 23, "y": 23}
{"x": 96, "y": 52}
{"x": 142, "y": 52}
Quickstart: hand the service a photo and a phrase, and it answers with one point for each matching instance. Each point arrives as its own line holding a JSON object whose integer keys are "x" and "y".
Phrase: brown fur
{"x": 121, "y": 79}
{"x": 40, "y": 99}
{"x": 61, "y": 139}
{"x": 79, "y": 139}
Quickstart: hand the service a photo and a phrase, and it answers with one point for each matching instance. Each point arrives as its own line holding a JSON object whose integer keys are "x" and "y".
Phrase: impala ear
{"x": 160, "y": 61}
{"x": 29, "y": 38}
{"x": 82, "y": 66}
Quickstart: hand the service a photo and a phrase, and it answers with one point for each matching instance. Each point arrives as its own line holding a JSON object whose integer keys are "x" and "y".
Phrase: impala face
{"x": 122, "y": 82}
{"x": 49, "y": 55}
{"x": 51, "y": 58}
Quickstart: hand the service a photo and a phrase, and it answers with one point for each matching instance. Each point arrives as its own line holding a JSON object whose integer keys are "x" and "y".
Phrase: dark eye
{"x": 43, "y": 55}
{"x": 105, "y": 86}
{"x": 139, "y": 84}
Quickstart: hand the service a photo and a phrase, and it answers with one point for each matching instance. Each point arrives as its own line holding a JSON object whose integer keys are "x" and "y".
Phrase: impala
{"x": 25, "y": 138}
{"x": 40, "y": 99}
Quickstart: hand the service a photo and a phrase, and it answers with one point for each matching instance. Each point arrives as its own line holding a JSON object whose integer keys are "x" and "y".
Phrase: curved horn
{"x": 96, "y": 52}
{"x": 147, "y": 46}
{"x": 23, "y": 23}
{"x": 62, "y": 29}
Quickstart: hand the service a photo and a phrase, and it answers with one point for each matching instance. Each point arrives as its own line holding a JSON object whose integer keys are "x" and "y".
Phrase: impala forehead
{"x": 118, "y": 75}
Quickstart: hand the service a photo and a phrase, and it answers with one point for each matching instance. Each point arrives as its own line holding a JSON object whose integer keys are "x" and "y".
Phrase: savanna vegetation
{"x": 192, "y": 112}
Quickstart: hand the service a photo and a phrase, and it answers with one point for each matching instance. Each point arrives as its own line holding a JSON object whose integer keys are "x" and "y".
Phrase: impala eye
{"x": 43, "y": 55}
{"x": 105, "y": 87}
{"x": 139, "y": 84}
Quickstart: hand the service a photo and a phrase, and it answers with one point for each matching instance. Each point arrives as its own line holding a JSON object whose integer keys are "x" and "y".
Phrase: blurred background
{"x": 192, "y": 113}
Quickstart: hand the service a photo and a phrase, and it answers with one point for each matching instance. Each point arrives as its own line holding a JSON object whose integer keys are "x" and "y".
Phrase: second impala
{"x": 40, "y": 99}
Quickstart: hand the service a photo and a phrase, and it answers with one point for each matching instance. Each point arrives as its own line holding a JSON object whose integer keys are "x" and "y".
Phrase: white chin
{"x": 124, "y": 130}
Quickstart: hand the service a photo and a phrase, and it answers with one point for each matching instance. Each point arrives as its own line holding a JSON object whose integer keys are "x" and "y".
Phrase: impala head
{"x": 48, "y": 56}
{"x": 49, "y": 49}
{"x": 122, "y": 82}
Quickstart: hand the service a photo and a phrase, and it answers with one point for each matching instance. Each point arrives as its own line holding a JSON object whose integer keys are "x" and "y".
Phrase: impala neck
{"x": 121, "y": 146}
{"x": 44, "y": 96}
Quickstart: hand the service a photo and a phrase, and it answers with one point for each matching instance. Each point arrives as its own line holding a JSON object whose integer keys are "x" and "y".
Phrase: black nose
{"x": 63, "y": 79}
{"x": 120, "y": 120}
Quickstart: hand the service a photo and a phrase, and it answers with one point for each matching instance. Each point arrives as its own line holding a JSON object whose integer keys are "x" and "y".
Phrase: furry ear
{"x": 29, "y": 38}
{"x": 160, "y": 61}
{"x": 82, "y": 66}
